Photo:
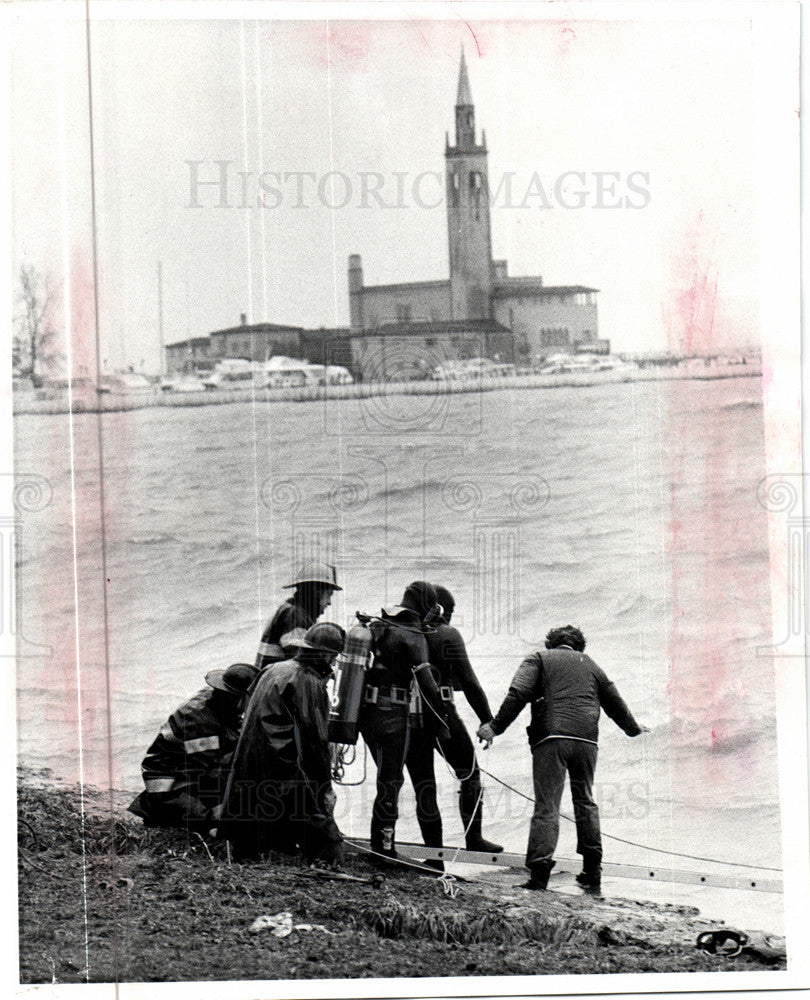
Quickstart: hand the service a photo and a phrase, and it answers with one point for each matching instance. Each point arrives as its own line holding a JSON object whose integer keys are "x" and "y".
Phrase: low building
{"x": 397, "y": 352}
{"x": 249, "y": 341}
{"x": 328, "y": 346}
{"x": 256, "y": 341}
{"x": 545, "y": 319}
{"x": 190, "y": 355}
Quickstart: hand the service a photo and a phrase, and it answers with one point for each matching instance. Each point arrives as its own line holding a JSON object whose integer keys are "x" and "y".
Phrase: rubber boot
{"x": 470, "y": 807}
{"x": 432, "y": 836}
{"x": 538, "y": 876}
{"x": 590, "y": 878}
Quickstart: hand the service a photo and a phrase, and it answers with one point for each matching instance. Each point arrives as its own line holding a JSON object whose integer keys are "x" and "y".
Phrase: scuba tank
{"x": 349, "y": 686}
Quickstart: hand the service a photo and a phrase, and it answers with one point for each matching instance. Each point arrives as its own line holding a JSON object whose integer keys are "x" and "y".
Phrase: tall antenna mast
{"x": 160, "y": 319}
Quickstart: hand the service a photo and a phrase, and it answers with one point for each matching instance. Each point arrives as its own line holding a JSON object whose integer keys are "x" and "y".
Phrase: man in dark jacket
{"x": 314, "y": 584}
{"x": 566, "y": 690}
{"x": 448, "y": 655}
{"x": 280, "y": 793}
{"x": 186, "y": 767}
{"x": 395, "y": 735}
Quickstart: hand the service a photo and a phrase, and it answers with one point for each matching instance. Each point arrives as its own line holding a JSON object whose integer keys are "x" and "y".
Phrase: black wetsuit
{"x": 392, "y": 737}
{"x": 448, "y": 655}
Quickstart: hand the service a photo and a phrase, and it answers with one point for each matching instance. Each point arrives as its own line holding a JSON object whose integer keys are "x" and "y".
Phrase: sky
{"x": 631, "y": 148}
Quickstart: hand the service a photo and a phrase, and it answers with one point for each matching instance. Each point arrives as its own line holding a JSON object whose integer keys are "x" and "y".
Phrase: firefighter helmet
{"x": 325, "y": 636}
{"x": 235, "y": 680}
{"x": 315, "y": 572}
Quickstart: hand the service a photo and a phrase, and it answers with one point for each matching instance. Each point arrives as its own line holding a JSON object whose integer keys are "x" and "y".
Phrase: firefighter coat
{"x": 186, "y": 766}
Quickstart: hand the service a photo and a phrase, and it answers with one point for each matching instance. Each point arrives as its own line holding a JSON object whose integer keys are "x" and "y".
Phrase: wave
{"x": 635, "y": 605}
{"x": 733, "y": 742}
{"x": 742, "y": 404}
{"x": 201, "y": 449}
{"x": 151, "y": 538}
{"x": 717, "y": 735}
{"x": 227, "y": 640}
{"x": 226, "y": 545}
{"x": 206, "y": 614}
{"x": 404, "y": 492}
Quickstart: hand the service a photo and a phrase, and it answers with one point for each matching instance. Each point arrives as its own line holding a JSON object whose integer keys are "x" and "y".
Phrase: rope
{"x": 450, "y": 769}
{"x": 31, "y": 829}
{"x": 466, "y": 776}
{"x": 24, "y": 857}
{"x": 390, "y": 859}
{"x": 609, "y": 836}
{"x": 472, "y": 817}
{"x": 633, "y": 843}
{"x": 341, "y": 763}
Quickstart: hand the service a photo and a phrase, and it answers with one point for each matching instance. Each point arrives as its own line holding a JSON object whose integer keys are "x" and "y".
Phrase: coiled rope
{"x": 344, "y": 759}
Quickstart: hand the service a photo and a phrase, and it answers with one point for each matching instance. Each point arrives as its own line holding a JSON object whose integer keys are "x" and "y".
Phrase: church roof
{"x": 432, "y": 327}
{"x": 512, "y": 288}
{"x": 258, "y": 328}
{"x": 464, "y": 93}
{"x": 442, "y": 283}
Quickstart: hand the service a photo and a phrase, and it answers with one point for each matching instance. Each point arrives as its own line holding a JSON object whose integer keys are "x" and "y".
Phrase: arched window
{"x": 475, "y": 192}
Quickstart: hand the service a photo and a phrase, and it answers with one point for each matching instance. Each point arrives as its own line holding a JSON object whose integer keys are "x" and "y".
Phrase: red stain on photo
{"x": 716, "y": 610}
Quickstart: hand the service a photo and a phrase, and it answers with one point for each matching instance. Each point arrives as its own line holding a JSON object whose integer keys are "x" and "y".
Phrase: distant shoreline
{"x": 28, "y": 403}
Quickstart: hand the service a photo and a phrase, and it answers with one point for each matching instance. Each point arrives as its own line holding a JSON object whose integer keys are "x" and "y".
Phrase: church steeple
{"x": 468, "y": 212}
{"x": 465, "y": 111}
{"x": 464, "y": 98}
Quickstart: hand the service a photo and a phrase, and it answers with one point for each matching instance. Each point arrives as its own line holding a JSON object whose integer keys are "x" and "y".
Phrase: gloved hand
{"x": 329, "y": 801}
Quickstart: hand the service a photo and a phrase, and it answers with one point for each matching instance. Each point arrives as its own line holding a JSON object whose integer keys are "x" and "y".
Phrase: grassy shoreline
{"x": 104, "y": 900}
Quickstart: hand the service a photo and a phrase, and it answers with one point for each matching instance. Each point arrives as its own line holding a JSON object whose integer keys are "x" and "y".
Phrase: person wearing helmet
{"x": 390, "y": 729}
{"x": 280, "y": 795}
{"x": 448, "y": 654}
{"x": 186, "y": 767}
{"x": 313, "y": 586}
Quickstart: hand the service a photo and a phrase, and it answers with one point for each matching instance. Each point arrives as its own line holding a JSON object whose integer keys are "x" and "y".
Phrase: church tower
{"x": 468, "y": 212}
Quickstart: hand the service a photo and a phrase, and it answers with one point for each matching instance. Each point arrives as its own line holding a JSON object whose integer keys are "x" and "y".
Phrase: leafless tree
{"x": 34, "y": 349}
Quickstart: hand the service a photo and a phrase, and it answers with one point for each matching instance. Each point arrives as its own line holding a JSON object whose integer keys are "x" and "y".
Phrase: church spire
{"x": 465, "y": 112}
{"x": 464, "y": 98}
{"x": 468, "y": 228}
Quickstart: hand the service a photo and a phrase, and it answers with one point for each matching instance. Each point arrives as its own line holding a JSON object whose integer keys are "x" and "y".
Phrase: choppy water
{"x": 628, "y": 509}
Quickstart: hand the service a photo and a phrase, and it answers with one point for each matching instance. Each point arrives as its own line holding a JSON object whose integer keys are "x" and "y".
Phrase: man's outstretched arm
{"x": 615, "y": 707}
{"x": 521, "y": 691}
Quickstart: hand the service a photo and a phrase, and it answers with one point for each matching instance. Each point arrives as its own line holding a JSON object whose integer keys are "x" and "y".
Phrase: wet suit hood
{"x": 420, "y": 596}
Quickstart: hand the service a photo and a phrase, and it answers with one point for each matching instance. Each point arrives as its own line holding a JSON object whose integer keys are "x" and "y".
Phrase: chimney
{"x": 356, "y": 291}
{"x": 243, "y": 319}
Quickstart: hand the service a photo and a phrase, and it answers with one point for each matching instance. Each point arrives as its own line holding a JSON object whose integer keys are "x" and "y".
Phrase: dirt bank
{"x": 103, "y": 900}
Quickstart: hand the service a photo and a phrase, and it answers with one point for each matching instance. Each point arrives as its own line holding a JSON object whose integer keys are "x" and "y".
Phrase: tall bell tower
{"x": 468, "y": 229}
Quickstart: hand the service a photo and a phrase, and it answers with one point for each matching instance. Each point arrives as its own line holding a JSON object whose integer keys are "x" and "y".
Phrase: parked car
{"x": 467, "y": 369}
{"x": 338, "y": 375}
{"x": 182, "y": 383}
{"x": 125, "y": 384}
{"x": 231, "y": 373}
{"x": 289, "y": 378}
